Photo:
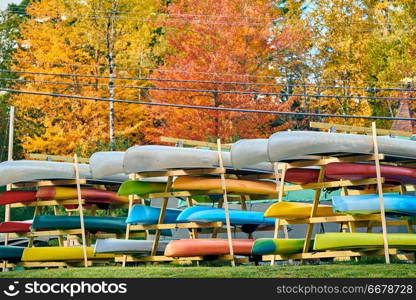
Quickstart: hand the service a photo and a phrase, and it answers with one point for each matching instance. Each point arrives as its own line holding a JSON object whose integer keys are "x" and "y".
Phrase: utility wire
{"x": 367, "y": 89}
{"x": 240, "y": 110}
{"x": 232, "y": 92}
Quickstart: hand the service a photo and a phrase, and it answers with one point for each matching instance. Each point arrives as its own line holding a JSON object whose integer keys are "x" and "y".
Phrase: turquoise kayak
{"x": 141, "y": 214}
{"x": 11, "y": 253}
{"x": 370, "y": 204}
{"x": 237, "y": 217}
{"x": 92, "y": 224}
{"x": 266, "y": 246}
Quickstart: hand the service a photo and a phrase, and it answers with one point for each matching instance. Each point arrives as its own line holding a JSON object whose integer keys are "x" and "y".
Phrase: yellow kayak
{"x": 297, "y": 210}
{"x": 60, "y": 254}
{"x": 233, "y": 185}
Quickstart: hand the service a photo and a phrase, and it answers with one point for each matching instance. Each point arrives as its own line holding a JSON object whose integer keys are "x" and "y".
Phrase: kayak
{"x": 134, "y": 187}
{"x": 89, "y": 195}
{"x": 61, "y": 254}
{"x": 297, "y": 210}
{"x": 161, "y": 158}
{"x": 141, "y": 214}
{"x": 127, "y": 246}
{"x": 15, "y": 226}
{"x": 93, "y": 224}
{"x": 206, "y": 247}
{"x": 10, "y": 197}
{"x": 353, "y": 171}
{"x": 364, "y": 241}
{"x": 107, "y": 163}
{"x": 237, "y": 217}
{"x": 11, "y": 253}
{"x": 233, "y": 185}
{"x": 278, "y": 246}
{"x": 370, "y": 204}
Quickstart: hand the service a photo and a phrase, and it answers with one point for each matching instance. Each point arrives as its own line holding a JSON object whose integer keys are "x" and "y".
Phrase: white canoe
{"x": 127, "y": 246}
{"x": 160, "y": 158}
{"x": 107, "y": 163}
{"x": 288, "y": 145}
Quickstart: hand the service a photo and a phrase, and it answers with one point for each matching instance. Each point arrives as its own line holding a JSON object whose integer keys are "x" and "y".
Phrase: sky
{"x": 4, "y": 3}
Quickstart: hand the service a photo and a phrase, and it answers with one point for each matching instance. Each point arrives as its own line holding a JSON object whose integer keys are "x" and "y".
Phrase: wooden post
{"x": 81, "y": 212}
{"x": 227, "y": 213}
{"x": 161, "y": 216}
{"x": 280, "y": 192}
{"x": 380, "y": 195}
{"x": 131, "y": 199}
{"x": 309, "y": 229}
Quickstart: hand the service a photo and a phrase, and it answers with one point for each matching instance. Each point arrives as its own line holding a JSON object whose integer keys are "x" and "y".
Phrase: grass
{"x": 345, "y": 270}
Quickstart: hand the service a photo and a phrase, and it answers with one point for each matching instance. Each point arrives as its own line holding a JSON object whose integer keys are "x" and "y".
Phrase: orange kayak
{"x": 233, "y": 185}
{"x": 205, "y": 247}
{"x": 89, "y": 195}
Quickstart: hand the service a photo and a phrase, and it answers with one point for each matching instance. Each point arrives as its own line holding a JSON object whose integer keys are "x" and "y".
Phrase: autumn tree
{"x": 234, "y": 41}
{"x": 98, "y": 38}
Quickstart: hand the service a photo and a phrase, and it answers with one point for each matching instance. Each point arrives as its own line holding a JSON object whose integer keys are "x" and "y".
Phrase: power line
{"x": 368, "y": 89}
{"x": 206, "y": 107}
{"x": 233, "y": 92}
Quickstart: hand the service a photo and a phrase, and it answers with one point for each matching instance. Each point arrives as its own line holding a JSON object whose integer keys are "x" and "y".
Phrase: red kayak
{"x": 17, "y": 197}
{"x": 302, "y": 176}
{"x": 205, "y": 247}
{"x": 89, "y": 195}
{"x": 14, "y": 226}
{"x": 354, "y": 171}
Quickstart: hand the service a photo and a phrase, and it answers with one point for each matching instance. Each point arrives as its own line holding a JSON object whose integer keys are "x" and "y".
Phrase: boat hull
{"x": 127, "y": 246}
{"x": 60, "y": 254}
{"x": 11, "y": 227}
{"x": 266, "y": 246}
{"x": 89, "y": 195}
{"x": 297, "y": 210}
{"x": 141, "y": 214}
{"x": 206, "y": 247}
{"x": 11, "y": 253}
{"x": 10, "y": 197}
{"x": 133, "y": 187}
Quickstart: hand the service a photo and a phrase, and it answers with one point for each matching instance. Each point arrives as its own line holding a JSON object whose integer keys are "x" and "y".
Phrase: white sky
{"x": 4, "y": 3}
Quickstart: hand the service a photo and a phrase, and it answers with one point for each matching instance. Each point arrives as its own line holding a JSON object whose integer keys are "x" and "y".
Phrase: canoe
{"x": 266, "y": 246}
{"x": 370, "y": 204}
{"x": 127, "y": 246}
{"x": 288, "y": 145}
{"x": 93, "y": 224}
{"x": 233, "y": 185}
{"x": 363, "y": 241}
{"x": 296, "y": 210}
{"x": 107, "y": 163}
{"x": 134, "y": 187}
{"x": 11, "y": 253}
{"x": 206, "y": 247}
{"x": 89, "y": 195}
{"x": 237, "y": 217}
{"x": 10, "y": 197}
{"x": 60, "y": 254}
{"x": 353, "y": 171}
{"x": 160, "y": 158}
{"x": 141, "y": 214}
{"x": 15, "y": 226}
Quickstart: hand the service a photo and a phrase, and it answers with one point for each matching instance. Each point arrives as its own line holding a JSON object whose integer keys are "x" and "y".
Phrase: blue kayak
{"x": 237, "y": 217}
{"x": 11, "y": 253}
{"x": 370, "y": 204}
{"x": 147, "y": 215}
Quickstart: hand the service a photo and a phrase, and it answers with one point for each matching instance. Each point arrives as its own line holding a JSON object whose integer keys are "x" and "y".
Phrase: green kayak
{"x": 266, "y": 246}
{"x": 363, "y": 241}
{"x": 133, "y": 187}
{"x": 11, "y": 253}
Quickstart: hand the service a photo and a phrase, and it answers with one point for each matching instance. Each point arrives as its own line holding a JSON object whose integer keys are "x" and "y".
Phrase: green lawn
{"x": 323, "y": 270}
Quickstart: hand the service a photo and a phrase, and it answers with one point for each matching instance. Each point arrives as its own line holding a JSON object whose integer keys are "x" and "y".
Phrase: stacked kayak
{"x": 266, "y": 246}
{"x": 134, "y": 187}
{"x": 93, "y": 224}
{"x": 297, "y": 210}
{"x": 369, "y": 204}
{"x": 237, "y": 217}
{"x": 10, "y": 197}
{"x": 141, "y": 214}
{"x": 15, "y": 226}
{"x": 364, "y": 241}
{"x": 127, "y": 246}
{"x": 60, "y": 254}
{"x": 89, "y": 195}
{"x": 206, "y": 247}
{"x": 11, "y": 253}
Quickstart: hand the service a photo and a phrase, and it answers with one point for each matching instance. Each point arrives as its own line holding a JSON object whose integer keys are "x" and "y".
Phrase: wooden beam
{"x": 332, "y": 219}
{"x": 189, "y": 172}
{"x": 359, "y": 129}
{"x": 57, "y": 158}
{"x": 194, "y": 143}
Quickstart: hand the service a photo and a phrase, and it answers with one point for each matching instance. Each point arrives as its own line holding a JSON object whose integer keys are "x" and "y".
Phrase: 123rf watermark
{"x": 367, "y": 289}
{"x": 71, "y": 289}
